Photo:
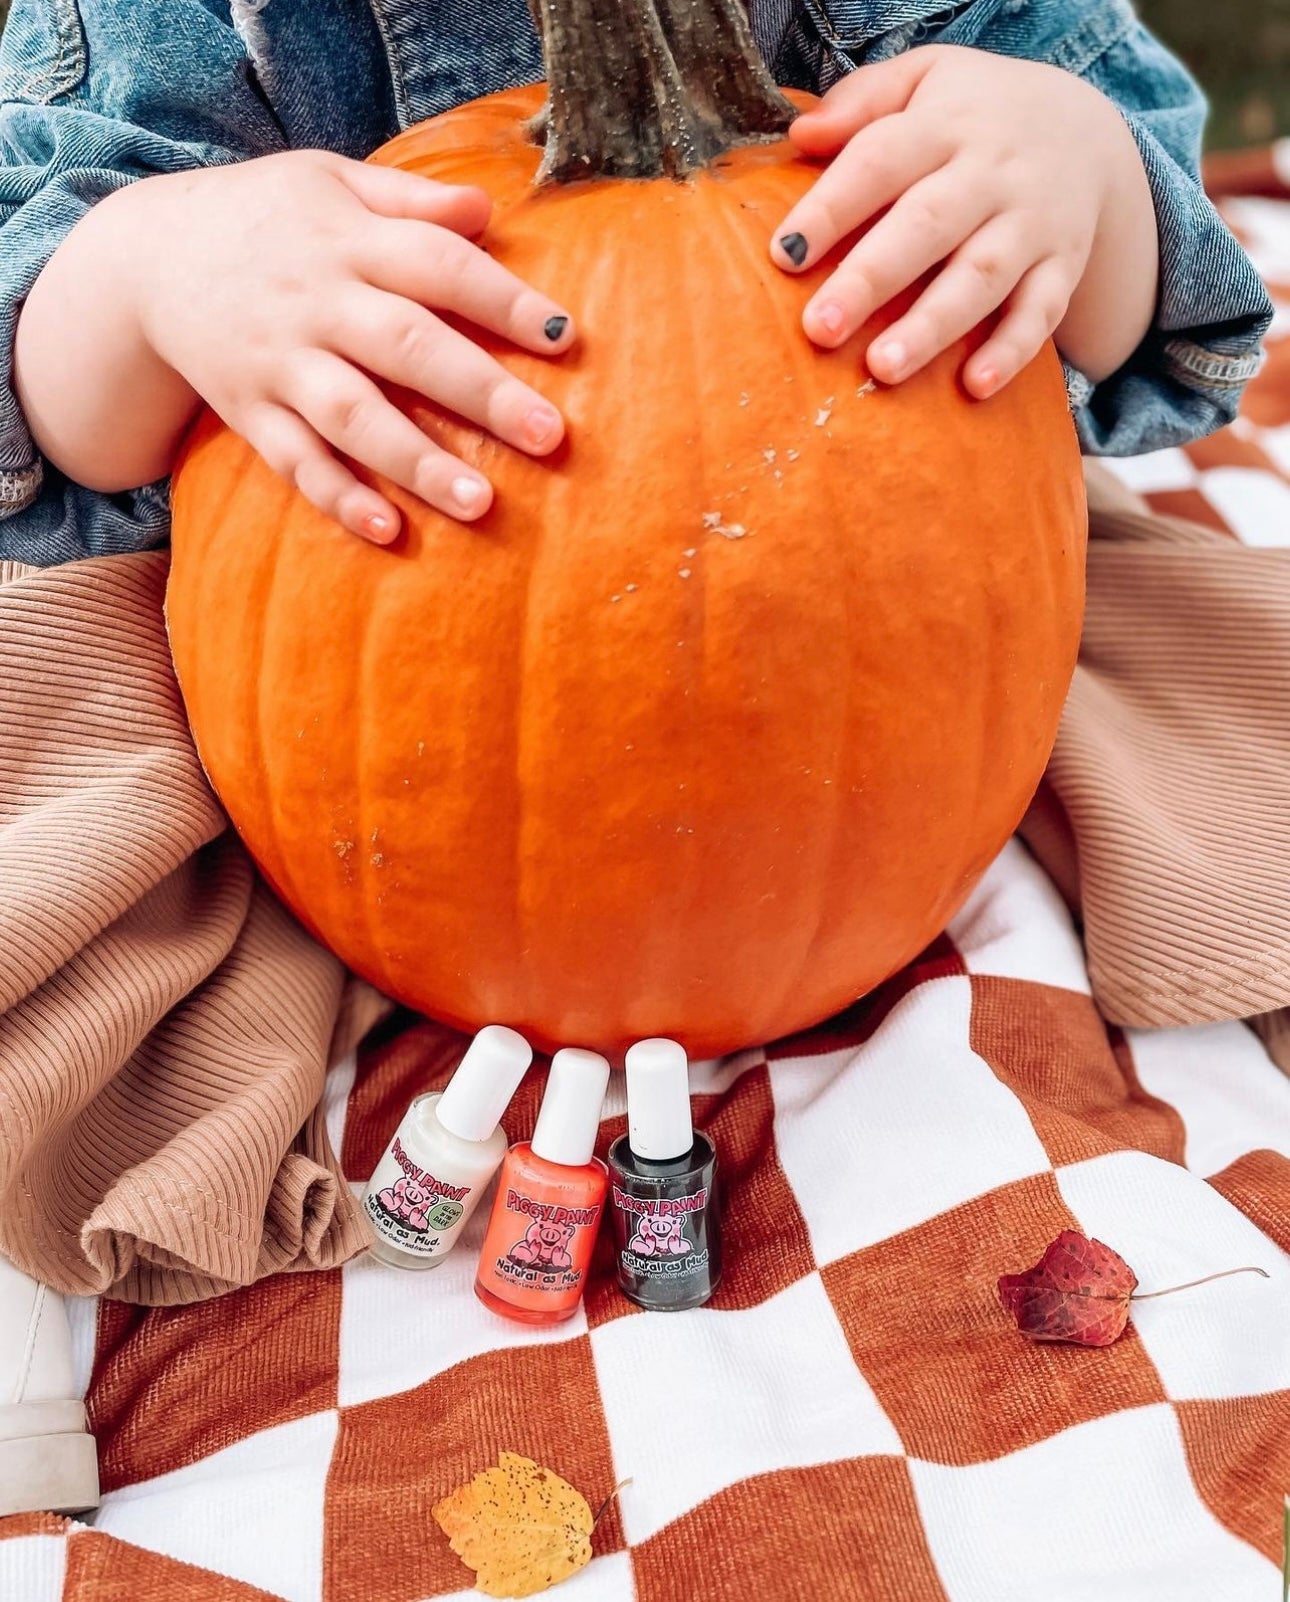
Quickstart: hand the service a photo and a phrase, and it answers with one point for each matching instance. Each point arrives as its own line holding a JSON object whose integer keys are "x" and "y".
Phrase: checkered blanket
{"x": 853, "y": 1417}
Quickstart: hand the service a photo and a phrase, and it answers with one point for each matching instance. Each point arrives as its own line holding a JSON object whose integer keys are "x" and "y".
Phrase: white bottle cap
{"x": 487, "y": 1077}
{"x": 658, "y": 1101}
{"x": 569, "y": 1118}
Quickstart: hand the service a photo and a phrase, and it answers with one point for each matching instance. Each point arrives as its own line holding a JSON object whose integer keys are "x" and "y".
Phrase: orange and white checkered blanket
{"x": 853, "y": 1417}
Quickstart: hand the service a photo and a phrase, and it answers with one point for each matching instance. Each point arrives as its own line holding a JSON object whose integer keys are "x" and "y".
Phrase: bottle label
{"x": 550, "y": 1246}
{"x": 657, "y": 1236}
{"x": 413, "y": 1209}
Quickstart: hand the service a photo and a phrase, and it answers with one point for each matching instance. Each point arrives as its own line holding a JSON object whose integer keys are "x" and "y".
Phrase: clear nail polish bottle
{"x": 665, "y": 1204}
{"x": 550, "y": 1196}
{"x": 444, "y": 1153}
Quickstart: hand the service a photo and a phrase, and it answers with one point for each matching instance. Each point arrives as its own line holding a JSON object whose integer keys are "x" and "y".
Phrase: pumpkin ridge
{"x": 804, "y": 373}
{"x": 367, "y": 843}
{"x": 261, "y": 690}
{"x": 728, "y": 213}
{"x": 557, "y": 553}
{"x": 686, "y": 887}
{"x": 806, "y": 925}
{"x": 786, "y": 317}
{"x": 702, "y": 672}
{"x": 528, "y": 925}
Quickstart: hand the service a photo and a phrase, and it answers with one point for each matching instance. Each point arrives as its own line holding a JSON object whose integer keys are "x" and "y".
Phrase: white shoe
{"x": 47, "y": 1459}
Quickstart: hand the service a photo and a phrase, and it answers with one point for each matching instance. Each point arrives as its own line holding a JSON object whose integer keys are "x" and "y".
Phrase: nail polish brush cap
{"x": 569, "y": 1119}
{"x": 487, "y": 1077}
{"x": 658, "y": 1101}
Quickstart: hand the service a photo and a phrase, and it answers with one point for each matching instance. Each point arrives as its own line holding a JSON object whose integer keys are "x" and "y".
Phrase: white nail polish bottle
{"x": 444, "y": 1153}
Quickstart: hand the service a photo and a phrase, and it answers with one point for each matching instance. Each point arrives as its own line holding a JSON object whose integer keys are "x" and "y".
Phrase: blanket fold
{"x": 1163, "y": 813}
{"x": 166, "y": 1026}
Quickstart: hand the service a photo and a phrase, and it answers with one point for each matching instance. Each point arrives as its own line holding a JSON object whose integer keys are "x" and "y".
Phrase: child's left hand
{"x": 1022, "y": 179}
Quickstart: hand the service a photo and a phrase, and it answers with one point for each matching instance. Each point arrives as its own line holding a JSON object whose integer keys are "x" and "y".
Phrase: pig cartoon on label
{"x": 545, "y": 1245}
{"x": 659, "y": 1236}
{"x": 418, "y": 1206}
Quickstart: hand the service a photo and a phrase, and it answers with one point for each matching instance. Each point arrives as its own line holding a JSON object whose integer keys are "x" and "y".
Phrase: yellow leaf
{"x": 520, "y": 1527}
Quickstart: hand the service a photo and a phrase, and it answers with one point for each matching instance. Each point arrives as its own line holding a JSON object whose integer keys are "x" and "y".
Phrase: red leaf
{"x": 1078, "y": 1291}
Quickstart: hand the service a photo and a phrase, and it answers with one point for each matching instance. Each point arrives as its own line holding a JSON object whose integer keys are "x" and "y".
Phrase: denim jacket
{"x": 96, "y": 93}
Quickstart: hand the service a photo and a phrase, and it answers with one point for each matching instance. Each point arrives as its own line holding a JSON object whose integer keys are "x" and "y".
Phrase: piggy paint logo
{"x": 659, "y": 1244}
{"x": 418, "y": 1201}
{"x": 657, "y": 1235}
{"x": 662, "y": 1206}
{"x": 551, "y": 1212}
{"x": 542, "y": 1254}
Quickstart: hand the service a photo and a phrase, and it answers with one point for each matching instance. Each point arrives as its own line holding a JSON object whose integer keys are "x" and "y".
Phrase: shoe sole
{"x": 49, "y": 1474}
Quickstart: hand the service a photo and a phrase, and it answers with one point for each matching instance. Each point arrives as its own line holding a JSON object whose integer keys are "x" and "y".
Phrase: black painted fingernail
{"x": 794, "y": 247}
{"x": 554, "y": 327}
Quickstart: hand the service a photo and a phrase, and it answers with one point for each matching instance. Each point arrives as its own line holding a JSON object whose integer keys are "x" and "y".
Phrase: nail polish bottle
{"x": 549, "y": 1200}
{"x": 666, "y": 1209}
{"x": 442, "y": 1156}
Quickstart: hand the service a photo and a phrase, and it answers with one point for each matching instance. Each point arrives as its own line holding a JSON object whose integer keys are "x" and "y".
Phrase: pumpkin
{"x": 717, "y": 717}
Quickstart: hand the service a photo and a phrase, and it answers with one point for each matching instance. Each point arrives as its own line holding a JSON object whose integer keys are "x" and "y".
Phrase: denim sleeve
{"x": 94, "y": 95}
{"x": 1186, "y": 378}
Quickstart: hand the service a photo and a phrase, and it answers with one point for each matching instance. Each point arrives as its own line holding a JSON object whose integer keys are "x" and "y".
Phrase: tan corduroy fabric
{"x": 165, "y": 1026}
{"x": 1165, "y": 811}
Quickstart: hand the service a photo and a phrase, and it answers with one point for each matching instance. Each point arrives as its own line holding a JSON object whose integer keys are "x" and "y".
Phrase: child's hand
{"x": 1024, "y": 181}
{"x": 272, "y": 290}
{"x": 279, "y": 285}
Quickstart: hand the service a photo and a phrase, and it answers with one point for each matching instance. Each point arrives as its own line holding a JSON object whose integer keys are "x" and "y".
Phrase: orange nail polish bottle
{"x": 550, "y": 1195}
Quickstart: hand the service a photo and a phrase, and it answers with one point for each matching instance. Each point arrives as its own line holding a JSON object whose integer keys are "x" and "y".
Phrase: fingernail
{"x": 540, "y": 423}
{"x": 468, "y": 492}
{"x": 379, "y": 529}
{"x": 987, "y": 381}
{"x": 554, "y": 327}
{"x": 794, "y": 247}
{"x": 894, "y": 357}
{"x": 830, "y": 316}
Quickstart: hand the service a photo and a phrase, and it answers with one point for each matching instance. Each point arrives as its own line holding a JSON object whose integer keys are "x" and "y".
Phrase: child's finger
{"x": 399, "y": 340}
{"x": 1034, "y": 314}
{"x": 391, "y": 192}
{"x": 877, "y": 167}
{"x": 862, "y": 97}
{"x": 348, "y": 410}
{"x": 922, "y": 228}
{"x": 295, "y": 452}
{"x": 976, "y": 281}
{"x": 450, "y": 274}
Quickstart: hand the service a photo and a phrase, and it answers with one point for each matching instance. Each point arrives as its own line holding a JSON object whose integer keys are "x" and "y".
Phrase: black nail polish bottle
{"x": 664, "y": 1202}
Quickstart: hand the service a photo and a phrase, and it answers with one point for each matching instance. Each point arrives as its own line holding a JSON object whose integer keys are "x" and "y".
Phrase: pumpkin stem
{"x": 650, "y": 88}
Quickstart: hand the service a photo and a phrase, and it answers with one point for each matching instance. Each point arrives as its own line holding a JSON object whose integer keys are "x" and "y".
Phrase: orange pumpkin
{"x": 716, "y": 718}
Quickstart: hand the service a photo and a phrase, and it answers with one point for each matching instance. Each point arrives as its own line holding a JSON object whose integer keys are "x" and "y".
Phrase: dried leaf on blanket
{"x": 519, "y": 1526}
{"x": 1079, "y": 1291}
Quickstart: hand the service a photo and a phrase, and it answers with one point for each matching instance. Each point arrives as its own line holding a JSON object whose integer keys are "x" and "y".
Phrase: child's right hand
{"x": 279, "y": 285}
{"x": 275, "y": 287}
